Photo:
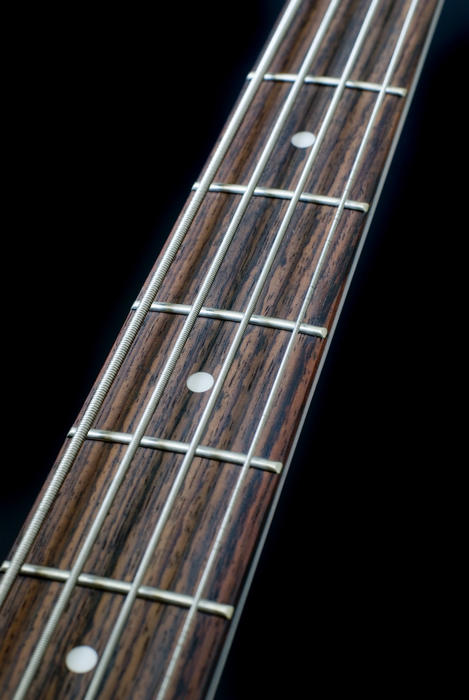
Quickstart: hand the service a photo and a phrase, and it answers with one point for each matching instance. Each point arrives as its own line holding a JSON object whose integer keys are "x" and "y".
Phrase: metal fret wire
{"x": 182, "y": 447}
{"x": 149, "y": 296}
{"x": 278, "y": 379}
{"x": 236, "y": 316}
{"x": 286, "y": 194}
{"x": 332, "y": 82}
{"x": 148, "y": 554}
{"x": 167, "y": 371}
{"x": 112, "y": 585}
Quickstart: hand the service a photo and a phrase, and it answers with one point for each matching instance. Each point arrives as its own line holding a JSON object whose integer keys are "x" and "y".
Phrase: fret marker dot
{"x": 200, "y": 381}
{"x": 81, "y": 659}
{"x": 303, "y": 139}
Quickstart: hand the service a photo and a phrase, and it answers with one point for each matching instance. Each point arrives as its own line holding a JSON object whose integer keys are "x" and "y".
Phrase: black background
{"x": 108, "y": 118}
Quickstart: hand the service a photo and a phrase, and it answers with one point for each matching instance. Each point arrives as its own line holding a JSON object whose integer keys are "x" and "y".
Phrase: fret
{"x": 236, "y": 316}
{"x": 181, "y": 448}
{"x": 332, "y": 82}
{"x": 286, "y": 194}
{"x": 111, "y": 585}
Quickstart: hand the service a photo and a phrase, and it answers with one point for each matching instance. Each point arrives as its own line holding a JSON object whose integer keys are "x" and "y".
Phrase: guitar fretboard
{"x": 141, "y": 543}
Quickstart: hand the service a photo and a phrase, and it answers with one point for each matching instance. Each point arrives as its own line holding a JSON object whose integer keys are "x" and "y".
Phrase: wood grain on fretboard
{"x": 188, "y": 535}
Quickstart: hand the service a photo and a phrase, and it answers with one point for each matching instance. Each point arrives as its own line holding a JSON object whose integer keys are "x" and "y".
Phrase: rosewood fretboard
{"x": 151, "y": 577}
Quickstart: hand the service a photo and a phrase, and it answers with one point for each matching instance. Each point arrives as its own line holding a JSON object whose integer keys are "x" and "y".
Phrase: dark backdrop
{"x": 110, "y": 115}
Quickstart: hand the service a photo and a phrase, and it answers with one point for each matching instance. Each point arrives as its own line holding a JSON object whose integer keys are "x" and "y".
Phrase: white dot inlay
{"x": 81, "y": 659}
{"x": 200, "y": 381}
{"x": 303, "y": 139}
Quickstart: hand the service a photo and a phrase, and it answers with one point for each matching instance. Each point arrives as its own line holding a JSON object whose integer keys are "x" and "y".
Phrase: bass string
{"x": 54, "y": 616}
{"x": 218, "y": 540}
{"x": 127, "y": 606}
{"x": 135, "y": 324}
